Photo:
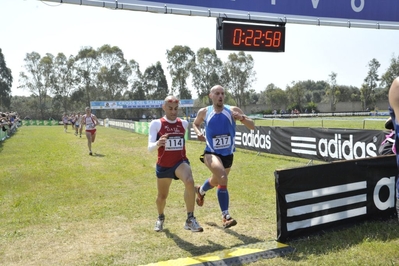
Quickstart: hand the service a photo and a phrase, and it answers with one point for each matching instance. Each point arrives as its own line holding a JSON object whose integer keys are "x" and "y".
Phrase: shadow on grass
{"x": 343, "y": 239}
{"x": 98, "y": 155}
{"x": 244, "y": 238}
{"x": 192, "y": 248}
{"x": 211, "y": 247}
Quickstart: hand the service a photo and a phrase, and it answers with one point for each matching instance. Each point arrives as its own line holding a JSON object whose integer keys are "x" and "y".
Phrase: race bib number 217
{"x": 221, "y": 142}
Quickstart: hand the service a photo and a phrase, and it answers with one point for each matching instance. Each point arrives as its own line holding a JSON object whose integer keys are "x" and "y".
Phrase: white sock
{"x": 225, "y": 214}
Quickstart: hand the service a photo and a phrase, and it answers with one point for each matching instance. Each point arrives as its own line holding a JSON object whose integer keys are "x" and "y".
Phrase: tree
{"x": 238, "y": 76}
{"x": 155, "y": 83}
{"x": 368, "y": 88}
{"x": 354, "y": 96}
{"x": 5, "y": 83}
{"x": 390, "y": 74}
{"x": 113, "y": 73}
{"x": 296, "y": 96}
{"x": 253, "y": 96}
{"x": 49, "y": 81}
{"x": 346, "y": 92}
{"x": 317, "y": 96}
{"x": 87, "y": 69}
{"x": 64, "y": 80}
{"x": 136, "y": 91}
{"x": 315, "y": 90}
{"x": 22, "y": 105}
{"x": 206, "y": 72}
{"x": 136, "y": 81}
{"x": 332, "y": 91}
{"x": 181, "y": 61}
{"x": 274, "y": 97}
{"x": 37, "y": 78}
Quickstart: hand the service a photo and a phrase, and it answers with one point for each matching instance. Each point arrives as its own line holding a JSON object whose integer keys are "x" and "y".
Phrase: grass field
{"x": 60, "y": 206}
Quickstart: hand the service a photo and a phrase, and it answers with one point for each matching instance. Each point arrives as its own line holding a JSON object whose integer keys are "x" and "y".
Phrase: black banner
{"x": 321, "y": 197}
{"x": 324, "y": 144}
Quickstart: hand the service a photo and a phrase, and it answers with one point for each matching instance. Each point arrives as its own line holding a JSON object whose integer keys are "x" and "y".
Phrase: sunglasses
{"x": 172, "y": 101}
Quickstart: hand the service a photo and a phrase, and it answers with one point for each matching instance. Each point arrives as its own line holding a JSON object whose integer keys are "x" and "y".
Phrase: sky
{"x": 311, "y": 52}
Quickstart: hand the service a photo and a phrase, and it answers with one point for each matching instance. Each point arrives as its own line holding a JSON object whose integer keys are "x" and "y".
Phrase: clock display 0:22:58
{"x": 253, "y": 37}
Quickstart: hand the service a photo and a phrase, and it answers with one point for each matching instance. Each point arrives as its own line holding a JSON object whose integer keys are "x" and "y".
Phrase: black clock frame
{"x": 249, "y": 35}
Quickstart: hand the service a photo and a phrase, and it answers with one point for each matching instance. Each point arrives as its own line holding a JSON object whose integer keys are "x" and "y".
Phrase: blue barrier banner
{"x": 374, "y": 10}
{"x": 357, "y": 13}
{"x": 135, "y": 104}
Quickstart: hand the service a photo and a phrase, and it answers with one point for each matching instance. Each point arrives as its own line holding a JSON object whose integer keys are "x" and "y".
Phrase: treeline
{"x": 60, "y": 84}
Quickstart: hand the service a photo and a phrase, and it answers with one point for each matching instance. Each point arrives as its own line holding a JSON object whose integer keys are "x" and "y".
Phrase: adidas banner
{"x": 311, "y": 143}
{"x": 315, "y": 198}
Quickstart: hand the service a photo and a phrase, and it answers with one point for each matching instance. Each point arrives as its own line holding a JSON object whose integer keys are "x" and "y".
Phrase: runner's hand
{"x": 162, "y": 140}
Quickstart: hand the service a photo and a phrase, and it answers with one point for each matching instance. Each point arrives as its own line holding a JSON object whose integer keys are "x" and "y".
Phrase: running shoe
{"x": 193, "y": 225}
{"x": 158, "y": 225}
{"x": 228, "y": 222}
{"x": 90, "y": 153}
{"x": 200, "y": 198}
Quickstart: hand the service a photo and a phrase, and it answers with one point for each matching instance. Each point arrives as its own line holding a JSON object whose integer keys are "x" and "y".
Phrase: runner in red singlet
{"x": 90, "y": 121}
{"x": 166, "y": 135}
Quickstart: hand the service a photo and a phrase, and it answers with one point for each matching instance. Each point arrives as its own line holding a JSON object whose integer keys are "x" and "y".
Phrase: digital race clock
{"x": 250, "y": 35}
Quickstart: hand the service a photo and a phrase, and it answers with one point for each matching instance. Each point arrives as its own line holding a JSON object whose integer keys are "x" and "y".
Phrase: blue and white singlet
{"x": 220, "y": 131}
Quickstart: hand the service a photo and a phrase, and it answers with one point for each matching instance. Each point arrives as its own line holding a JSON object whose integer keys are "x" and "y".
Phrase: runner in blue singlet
{"x": 220, "y": 129}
